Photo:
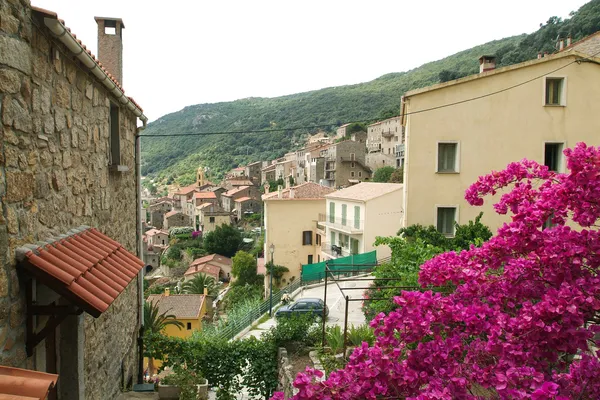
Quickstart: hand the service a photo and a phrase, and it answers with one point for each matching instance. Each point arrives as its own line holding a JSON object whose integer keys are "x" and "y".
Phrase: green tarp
{"x": 315, "y": 272}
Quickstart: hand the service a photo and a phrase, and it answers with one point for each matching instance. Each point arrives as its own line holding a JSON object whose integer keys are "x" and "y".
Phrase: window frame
{"x": 114, "y": 136}
{"x": 189, "y": 326}
{"x": 561, "y": 157}
{"x": 563, "y": 91}
{"x": 456, "y": 159}
{"x": 305, "y": 236}
{"x": 456, "y": 218}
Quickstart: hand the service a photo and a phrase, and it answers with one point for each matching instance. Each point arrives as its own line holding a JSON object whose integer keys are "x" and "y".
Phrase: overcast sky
{"x": 178, "y": 53}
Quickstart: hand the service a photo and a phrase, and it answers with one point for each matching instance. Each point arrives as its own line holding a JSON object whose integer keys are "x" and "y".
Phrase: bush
{"x": 360, "y": 334}
{"x": 224, "y": 240}
{"x": 180, "y": 230}
{"x": 335, "y": 338}
{"x": 238, "y": 294}
{"x": 292, "y": 332}
{"x": 186, "y": 379}
{"x": 383, "y": 174}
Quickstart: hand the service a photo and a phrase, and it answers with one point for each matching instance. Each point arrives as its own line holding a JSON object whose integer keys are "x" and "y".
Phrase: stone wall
{"x": 54, "y": 176}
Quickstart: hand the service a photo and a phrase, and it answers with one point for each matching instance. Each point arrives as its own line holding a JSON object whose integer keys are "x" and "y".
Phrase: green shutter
{"x": 332, "y": 212}
{"x": 357, "y": 217}
{"x": 332, "y": 238}
{"x": 344, "y": 212}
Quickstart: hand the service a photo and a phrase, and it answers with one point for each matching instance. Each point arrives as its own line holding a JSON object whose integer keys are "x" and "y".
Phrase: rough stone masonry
{"x": 54, "y": 176}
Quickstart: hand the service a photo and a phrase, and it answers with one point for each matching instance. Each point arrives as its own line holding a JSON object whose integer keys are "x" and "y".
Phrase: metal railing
{"x": 234, "y": 327}
{"x": 335, "y": 250}
{"x": 343, "y": 224}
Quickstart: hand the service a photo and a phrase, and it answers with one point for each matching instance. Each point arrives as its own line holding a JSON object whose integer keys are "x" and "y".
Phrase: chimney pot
{"x": 110, "y": 45}
{"x": 568, "y": 40}
{"x": 292, "y": 193}
{"x": 539, "y": 55}
{"x": 167, "y": 292}
{"x": 487, "y": 63}
{"x": 561, "y": 44}
{"x": 545, "y": 54}
{"x": 279, "y": 191}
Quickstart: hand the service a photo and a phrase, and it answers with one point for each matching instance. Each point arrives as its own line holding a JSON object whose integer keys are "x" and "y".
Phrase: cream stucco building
{"x": 530, "y": 110}
{"x": 356, "y": 215}
{"x": 291, "y": 227}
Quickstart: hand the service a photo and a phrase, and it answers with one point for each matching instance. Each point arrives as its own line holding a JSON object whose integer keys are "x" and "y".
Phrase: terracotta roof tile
{"x": 238, "y": 189}
{"x": 206, "y": 269}
{"x": 365, "y": 191}
{"x": 243, "y": 199}
{"x": 23, "y": 384}
{"x": 172, "y": 212}
{"x": 308, "y": 190}
{"x": 86, "y": 267}
{"x": 213, "y": 257}
{"x": 187, "y": 189}
{"x": 205, "y": 195}
{"x": 183, "y": 306}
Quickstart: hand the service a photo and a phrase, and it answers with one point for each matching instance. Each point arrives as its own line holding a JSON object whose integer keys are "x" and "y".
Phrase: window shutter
{"x": 332, "y": 212}
{"x": 344, "y": 213}
{"x": 357, "y": 217}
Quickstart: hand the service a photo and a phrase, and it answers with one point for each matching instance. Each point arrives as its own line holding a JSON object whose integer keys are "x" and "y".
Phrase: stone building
{"x": 157, "y": 212}
{"x": 68, "y": 167}
{"x": 246, "y": 205}
{"x": 345, "y": 164}
{"x": 176, "y": 218}
{"x": 383, "y": 138}
{"x": 253, "y": 172}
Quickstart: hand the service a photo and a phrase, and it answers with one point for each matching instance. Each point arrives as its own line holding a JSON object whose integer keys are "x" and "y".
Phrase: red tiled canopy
{"x": 86, "y": 267}
{"x": 23, "y": 384}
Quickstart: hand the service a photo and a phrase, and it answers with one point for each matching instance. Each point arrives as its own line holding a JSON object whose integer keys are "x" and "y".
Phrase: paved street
{"x": 335, "y": 302}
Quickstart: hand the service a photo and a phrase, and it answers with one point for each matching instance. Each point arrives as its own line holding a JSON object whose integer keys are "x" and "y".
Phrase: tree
{"x": 155, "y": 321}
{"x": 198, "y": 283}
{"x": 224, "y": 240}
{"x": 523, "y": 318}
{"x": 356, "y": 127}
{"x": 278, "y": 271}
{"x": 243, "y": 268}
{"x": 383, "y": 174}
{"x": 397, "y": 176}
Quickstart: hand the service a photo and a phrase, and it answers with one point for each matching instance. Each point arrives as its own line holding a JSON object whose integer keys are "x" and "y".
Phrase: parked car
{"x": 312, "y": 306}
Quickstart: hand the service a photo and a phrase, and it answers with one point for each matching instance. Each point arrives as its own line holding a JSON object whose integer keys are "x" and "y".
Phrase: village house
{"x": 245, "y": 206}
{"x": 197, "y": 199}
{"x": 345, "y": 164}
{"x": 176, "y": 218}
{"x": 554, "y": 110}
{"x": 383, "y": 137}
{"x": 228, "y": 199}
{"x": 215, "y": 265}
{"x": 188, "y": 309}
{"x": 232, "y": 183}
{"x": 252, "y": 172}
{"x": 157, "y": 211}
{"x": 183, "y": 195}
{"x": 356, "y": 215}
{"x": 290, "y": 218}
{"x": 69, "y": 230}
{"x": 268, "y": 174}
{"x": 209, "y": 216}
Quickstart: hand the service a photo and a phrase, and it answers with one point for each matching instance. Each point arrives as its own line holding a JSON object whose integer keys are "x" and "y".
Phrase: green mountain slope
{"x": 176, "y": 159}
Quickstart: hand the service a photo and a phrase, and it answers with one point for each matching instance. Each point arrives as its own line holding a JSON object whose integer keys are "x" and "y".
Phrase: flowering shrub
{"x": 523, "y": 318}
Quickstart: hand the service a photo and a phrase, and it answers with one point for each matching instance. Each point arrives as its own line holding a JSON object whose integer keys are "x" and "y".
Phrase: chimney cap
{"x": 112, "y": 19}
{"x": 486, "y": 58}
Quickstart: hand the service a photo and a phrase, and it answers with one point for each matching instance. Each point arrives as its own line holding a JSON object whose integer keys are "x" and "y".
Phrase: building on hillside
{"x": 319, "y": 138}
{"x": 197, "y": 199}
{"x": 356, "y": 215}
{"x": 341, "y": 131}
{"x": 209, "y": 216}
{"x": 188, "y": 309}
{"x": 176, "y": 218}
{"x": 232, "y": 183}
{"x": 68, "y": 191}
{"x": 554, "y": 110}
{"x": 229, "y": 198}
{"x": 290, "y": 218}
{"x": 253, "y": 172}
{"x": 236, "y": 173}
{"x": 215, "y": 265}
{"x": 383, "y": 138}
{"x": 246, "y": 206}
{"x": 218, "y": 191}
{"x": 268, "y": 173}
{"x": 158, "y": 237}
{"x": 182, "y": 196}
{"x": 157, "y": 211}
{"x": 345, "y": 164}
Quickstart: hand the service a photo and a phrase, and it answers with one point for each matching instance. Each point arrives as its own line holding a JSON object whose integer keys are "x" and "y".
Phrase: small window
{"x": 163, "y": 241}
{"x": 310, "y": 259}
{"x": 211, "y": 220}
{"x": 306, "y": 238}
{"x": 447, "y": 157}
{"x": 318, "y": 240}
{"x": 189, "y": 326}
{"x": 446, "y": 217}
{"x": 352, "y": 156}
{"x": 554, "y": 91}
{"x": 115, "y": 138}
{"x": 360, "y": 174}
{"x": 351, "y": 174}
{"x": 352, "y": 165}
{"x": 553, "y": 156}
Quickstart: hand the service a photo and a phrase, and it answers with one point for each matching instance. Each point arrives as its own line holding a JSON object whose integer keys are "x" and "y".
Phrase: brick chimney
{"x": 568, "y": 40}
{"x": 110, "y": 45}
{"x": 487, "y": 63}
{"x": 561, "y": 44}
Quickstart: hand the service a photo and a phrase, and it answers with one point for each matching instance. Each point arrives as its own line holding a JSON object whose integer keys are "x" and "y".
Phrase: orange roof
{"x": 182, "y": 306}
{"x": 235, "y": 190}
{"x": 205, "y": 195}
{"x": 23, "y": 384}
{"x": 187, "y": 189}
{"x": 207, "y": 269}
{"x": 172, "y": 212}
{"x": 213, "y": 257}
{"x": 155, "y": 231}
{"x": 243, "y": 199}
{"x": 306, "y": 191}
{"x": 86, "y": 267}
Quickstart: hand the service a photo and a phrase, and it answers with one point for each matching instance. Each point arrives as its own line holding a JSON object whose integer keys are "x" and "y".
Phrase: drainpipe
{"x": 140, "y": 248}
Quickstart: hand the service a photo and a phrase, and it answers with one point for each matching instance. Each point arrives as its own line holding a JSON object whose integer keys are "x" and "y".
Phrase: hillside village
{"x": 326, "y": 257}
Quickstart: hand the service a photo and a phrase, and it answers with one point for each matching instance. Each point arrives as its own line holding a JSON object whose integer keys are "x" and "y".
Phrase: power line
{"x": 579, "y": 60}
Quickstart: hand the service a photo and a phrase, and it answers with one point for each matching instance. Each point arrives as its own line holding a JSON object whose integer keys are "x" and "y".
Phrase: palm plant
{"x": 197, "y": 285}
{"x": 154, "y": 321}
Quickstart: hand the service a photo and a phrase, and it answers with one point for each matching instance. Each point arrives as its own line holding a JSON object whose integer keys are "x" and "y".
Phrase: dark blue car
{"x": 310, "y": 306}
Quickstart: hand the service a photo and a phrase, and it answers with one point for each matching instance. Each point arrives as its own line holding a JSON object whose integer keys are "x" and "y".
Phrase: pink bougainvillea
{"x": 525, "y": 309}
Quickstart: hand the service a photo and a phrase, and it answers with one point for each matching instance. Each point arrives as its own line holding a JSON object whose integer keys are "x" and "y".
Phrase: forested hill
{"x": 177, "y": 159}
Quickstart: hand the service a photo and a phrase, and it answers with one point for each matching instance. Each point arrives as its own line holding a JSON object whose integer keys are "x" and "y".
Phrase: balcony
{"x": 330, "y": 166}
{"x": 334, "y": 251}
{"x": 346, "y": 225}
{"x": 388, "y": 134}
{"x": 400, "y": 150}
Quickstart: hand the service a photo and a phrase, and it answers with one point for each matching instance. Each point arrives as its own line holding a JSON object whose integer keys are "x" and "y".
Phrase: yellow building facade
{"x": 531, "y": 110}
